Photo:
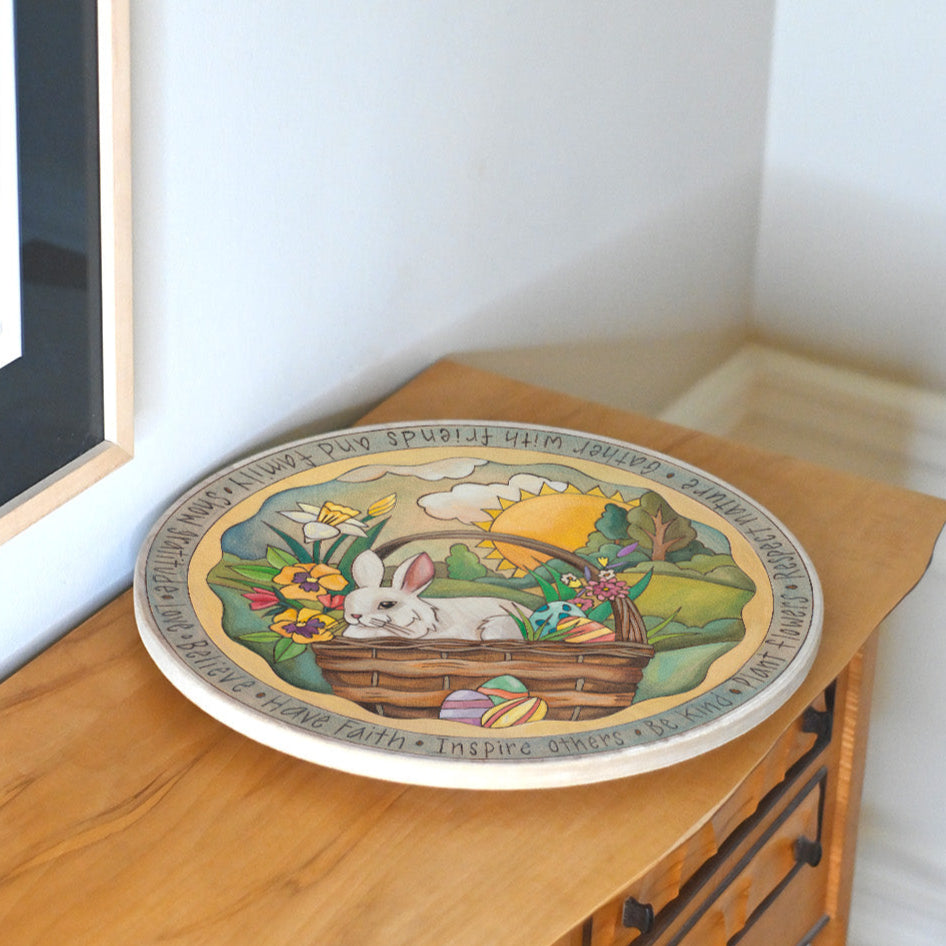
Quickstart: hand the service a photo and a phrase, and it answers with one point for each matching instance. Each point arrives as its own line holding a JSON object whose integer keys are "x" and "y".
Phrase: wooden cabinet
{"x": 772, "y": 863}
{"x": 719, "y": 882}
{"x": 129, "y": 816}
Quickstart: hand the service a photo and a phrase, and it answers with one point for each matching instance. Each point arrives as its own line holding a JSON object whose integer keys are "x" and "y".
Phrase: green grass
{"x": 699, "y": 601}
{"x": 459, "y": 588}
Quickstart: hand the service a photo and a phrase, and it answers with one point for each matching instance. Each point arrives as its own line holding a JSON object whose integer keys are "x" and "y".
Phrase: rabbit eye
{"x": 385, "y": 605}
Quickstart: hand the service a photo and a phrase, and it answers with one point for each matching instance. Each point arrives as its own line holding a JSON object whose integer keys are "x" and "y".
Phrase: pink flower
{"x": 607, "y": 589}
{"x": 260, "y": 599}
{"x": 604, "y": 589}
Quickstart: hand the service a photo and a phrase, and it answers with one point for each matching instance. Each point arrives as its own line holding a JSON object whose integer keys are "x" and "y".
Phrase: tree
{"x": 463, "y": 564}
{"x": 613, "y": 522}
{"x": 657, "y": 528}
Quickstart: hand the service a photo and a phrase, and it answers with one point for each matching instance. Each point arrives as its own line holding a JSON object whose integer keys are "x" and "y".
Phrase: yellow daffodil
{"x": 327, "y": 521}
{"x": 382, "y": 506}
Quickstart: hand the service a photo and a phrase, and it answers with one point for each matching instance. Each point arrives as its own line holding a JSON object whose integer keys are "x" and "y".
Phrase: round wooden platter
{"x": 478, "y": 605}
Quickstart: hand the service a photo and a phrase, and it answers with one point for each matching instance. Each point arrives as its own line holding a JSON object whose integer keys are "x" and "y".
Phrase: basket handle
{"x": 628, "y": 619}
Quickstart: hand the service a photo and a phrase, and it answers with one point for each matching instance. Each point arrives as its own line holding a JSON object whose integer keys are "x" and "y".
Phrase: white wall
{"x": 852, "y": 241}
{"x": 330, "y": 196}
{"x": 852, "y": 268}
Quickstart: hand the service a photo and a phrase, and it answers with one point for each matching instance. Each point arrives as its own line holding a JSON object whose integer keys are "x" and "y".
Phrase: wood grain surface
{"x": 128, "y": 816}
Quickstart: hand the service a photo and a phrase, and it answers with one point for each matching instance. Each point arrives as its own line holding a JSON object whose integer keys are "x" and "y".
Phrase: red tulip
{"x": 260, "y": 599}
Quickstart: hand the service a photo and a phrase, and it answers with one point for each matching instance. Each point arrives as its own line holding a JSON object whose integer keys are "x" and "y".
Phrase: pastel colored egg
{"x": 522, "y": 709}
{"x": 465, "y": 706}
{"x": 544, "y": 620}
{"x": 505, "y": 687}
{"x": 584, "y": 631}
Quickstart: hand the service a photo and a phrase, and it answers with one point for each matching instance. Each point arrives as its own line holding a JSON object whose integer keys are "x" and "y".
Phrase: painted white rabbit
{"x": 399, "y": 611}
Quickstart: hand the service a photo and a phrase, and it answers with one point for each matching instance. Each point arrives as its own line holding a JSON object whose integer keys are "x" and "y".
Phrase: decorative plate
{"x": 477, "y": 604}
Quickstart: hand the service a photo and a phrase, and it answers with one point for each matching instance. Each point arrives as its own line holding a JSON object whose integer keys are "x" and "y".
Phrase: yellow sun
{"x": 562, "y": 518}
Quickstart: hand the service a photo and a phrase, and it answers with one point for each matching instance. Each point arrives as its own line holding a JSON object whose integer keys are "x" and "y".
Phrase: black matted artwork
{"x": 51, "y": 398}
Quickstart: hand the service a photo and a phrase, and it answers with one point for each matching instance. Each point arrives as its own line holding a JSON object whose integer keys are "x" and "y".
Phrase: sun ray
{"x": 563, "y": 517}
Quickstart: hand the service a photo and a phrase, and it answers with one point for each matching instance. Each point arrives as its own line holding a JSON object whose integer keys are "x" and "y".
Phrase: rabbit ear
{"x": 367, "y": 570}
{"x": 414, "y": 575}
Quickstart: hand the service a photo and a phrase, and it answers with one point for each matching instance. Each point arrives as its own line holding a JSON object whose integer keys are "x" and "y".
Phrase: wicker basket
{"x": 408, "y": 679}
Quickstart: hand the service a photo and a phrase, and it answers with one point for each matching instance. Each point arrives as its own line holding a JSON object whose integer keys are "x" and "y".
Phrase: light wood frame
{"x": 114, "y": 120}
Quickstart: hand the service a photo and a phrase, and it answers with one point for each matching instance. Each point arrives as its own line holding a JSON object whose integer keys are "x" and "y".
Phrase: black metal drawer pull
{"x": 808, "y": 852}
{"x": 638, "y": 916}
{"x": 817, "y": 722}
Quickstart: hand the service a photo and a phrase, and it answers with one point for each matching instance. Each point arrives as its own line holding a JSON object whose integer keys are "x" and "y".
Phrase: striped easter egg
{"x": 502, "y": 688}
{"x": 465, "y": 706}
{"x": 515, "y": 712}
{"x": 583, "y": 631}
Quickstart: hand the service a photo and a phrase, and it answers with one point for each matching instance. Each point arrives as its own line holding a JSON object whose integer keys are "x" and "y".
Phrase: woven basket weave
{"x": 409, "y": 679}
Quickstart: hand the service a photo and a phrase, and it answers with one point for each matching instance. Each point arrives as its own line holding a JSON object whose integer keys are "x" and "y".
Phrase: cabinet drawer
{"x": 720, "y": 904}
{"x": 756, "y": 821}
{"x": 731, "y": 904}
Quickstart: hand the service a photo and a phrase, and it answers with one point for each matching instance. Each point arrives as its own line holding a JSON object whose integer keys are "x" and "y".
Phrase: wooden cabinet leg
{"x": 852, "y": 718}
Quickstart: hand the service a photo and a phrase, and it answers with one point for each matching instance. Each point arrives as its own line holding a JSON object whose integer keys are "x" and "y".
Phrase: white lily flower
{"x": 327, "y": 521}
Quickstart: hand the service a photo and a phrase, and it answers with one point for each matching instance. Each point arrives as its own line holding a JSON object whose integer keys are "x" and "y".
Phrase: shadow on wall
{"x": 853, "y": 277}
{"x": 635, "y": 372}
{"x": 631, "y": 323}
{"x": 634, "y": 323}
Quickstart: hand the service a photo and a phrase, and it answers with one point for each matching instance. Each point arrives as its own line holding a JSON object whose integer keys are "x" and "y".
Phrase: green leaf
{"x": 334, "y": 548}
{"x": 225, "y": 581}
{"x": 548, "y": 590}
{"x": 358, "y": 546}
{"x": 638, "y": 587}
{"x": 256, "y": 572}
{"x": 287, "y": 648}
{"x": 278, "y": 558}
{"x": 522, "y": 621}
{"x": 600, "y": 612}
{"x": 565, "y": 592}
{"x": 297, "y": 548}
{"x": 263, "y": 636}
{"x": 652, "y": 633}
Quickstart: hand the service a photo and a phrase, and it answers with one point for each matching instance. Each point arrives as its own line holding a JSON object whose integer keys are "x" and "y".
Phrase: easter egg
{"x": 515, "y": 712}
{"x": 544, "y": 620}
{"x": 465, "y": 706}
{"x": 505, "y": 687}
{"x": 583, "y": 631}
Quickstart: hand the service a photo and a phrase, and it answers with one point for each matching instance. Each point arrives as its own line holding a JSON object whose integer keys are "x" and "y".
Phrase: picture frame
{"x": 66, "y": 404}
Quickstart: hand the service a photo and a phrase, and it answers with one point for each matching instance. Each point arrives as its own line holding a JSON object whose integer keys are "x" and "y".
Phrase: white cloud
{"x": 450, "y": 469}
{"x": 466, "y": 502}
